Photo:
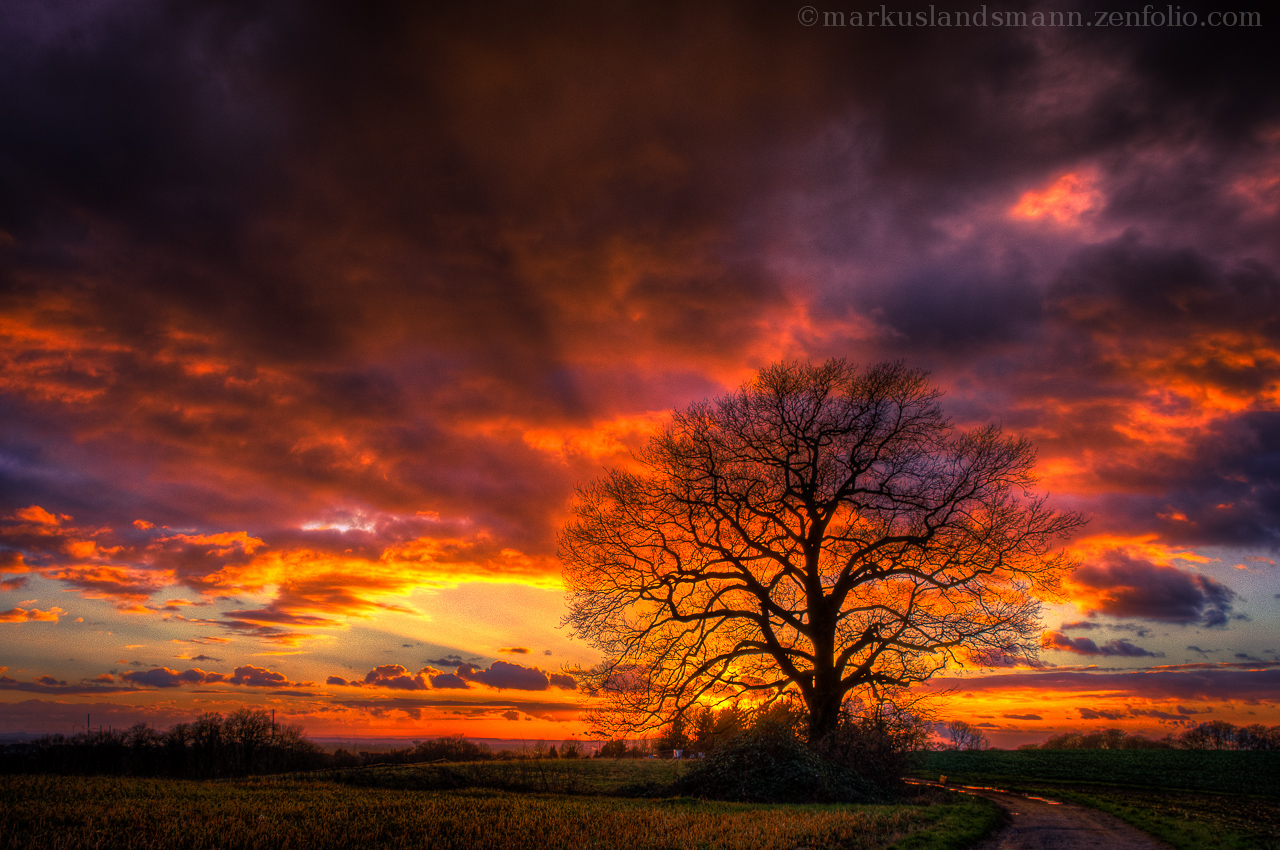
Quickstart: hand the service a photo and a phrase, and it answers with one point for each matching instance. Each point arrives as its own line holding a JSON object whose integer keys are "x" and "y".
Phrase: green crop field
{"x": 322, "y": 811}
{"x": 1228, "y": 772}
{"x": 1190, "y": 799}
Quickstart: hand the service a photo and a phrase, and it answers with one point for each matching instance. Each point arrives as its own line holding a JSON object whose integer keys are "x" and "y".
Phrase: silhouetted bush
{"x": 768, "y": 764}
{"x": 876, "y": 741}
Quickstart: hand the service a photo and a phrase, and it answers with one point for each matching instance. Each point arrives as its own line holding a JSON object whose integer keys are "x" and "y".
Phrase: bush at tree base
{"x": 769, "y": 765}
{"x": 876, "y": 740}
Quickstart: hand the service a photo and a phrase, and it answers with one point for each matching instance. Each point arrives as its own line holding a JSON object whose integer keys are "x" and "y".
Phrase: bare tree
{"x": 822, "y": 530}
{"x": 964, "y": 736}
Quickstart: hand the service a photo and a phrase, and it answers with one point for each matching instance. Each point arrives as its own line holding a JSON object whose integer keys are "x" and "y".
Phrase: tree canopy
{"x": 823, "y": 530}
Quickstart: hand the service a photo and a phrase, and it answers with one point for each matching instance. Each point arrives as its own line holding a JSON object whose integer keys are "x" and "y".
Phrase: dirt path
{"x": 1038, "y": 824}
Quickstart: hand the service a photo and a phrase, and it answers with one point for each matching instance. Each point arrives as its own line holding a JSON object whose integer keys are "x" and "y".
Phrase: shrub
{"x": 875, "y": 741}
{"x": 769, "y": 765}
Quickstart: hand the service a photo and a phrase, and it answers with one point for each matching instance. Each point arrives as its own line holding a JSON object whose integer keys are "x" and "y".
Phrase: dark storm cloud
{"x": 107, "y": 116}
{"x": 163, "y": 677}
{"x": 414, "y": 706}
{"x": 403, "y": 210}
{"x": 449, "y": 681}
{"x": 259, "y": 677}
{"x": 1094, "y": 714}
{"x": 448, "y": 661}
{"x": 1216, "y": 73}
{"x": 1128, "y": 291}
{"x": 399, "y": 136}
{"x": 1166, "y": 359}
{"x": 50, "y": 685}
{"x": 503, "y": 674}
{"x": 1249, "y": 683}
{"x": 1124, "y": 586}
{"x": 500, "y": 674}
{"x": 1084, "y": 646}
{"x": 429, "y": 113}
{"x": 248, "y": 675}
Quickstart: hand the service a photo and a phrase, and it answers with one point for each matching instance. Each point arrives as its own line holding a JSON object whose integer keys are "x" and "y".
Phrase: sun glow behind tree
{"x": 821, "y": 531}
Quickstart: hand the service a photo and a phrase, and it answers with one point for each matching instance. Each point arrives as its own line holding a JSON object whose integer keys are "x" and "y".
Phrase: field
{"x": 1225, "y": 772}
{"x": 585, "y": 776}
{"x": 1190, "y": 799}
{"x": 395, "y": 807}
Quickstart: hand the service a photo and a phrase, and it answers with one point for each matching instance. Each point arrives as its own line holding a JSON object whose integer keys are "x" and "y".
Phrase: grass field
{"x": 323, "y": 811}
{"x": 1190, "y": 799}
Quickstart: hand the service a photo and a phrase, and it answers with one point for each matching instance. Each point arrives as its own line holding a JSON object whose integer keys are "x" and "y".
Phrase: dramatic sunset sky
{"x": 312, "y": 317}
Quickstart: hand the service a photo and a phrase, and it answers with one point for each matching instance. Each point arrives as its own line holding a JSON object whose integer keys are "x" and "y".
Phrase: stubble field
{"x": 393, "y": 808}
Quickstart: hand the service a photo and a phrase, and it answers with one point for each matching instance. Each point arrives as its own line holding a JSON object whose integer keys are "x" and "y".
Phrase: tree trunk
{"x": 824, "y": 710}
{"x": 824, "y": 716}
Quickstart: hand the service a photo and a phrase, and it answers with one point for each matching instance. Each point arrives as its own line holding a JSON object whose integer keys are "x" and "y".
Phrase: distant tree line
{"x": 246, "y": 741}
{"x": 450, "y": 748}
{"x": 1212, "y": 735}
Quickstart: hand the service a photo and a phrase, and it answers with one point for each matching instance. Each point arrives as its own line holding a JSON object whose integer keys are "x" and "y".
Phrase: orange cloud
{"x": 40, "y": 516}
{"x": 1065, "y": 200}
{"x": 606, "y": 439}
{"x": 45, "y": 359}
{"x": 1144, "y": 546}
{"x": 219, "y": 545}
{"x": 128, "y": 587}
{"x": 31, "y": 615}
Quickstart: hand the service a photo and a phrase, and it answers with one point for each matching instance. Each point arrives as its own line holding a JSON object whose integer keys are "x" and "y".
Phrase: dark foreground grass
{"x": 1191, "y": 800}
{"x": 60, "y": 813}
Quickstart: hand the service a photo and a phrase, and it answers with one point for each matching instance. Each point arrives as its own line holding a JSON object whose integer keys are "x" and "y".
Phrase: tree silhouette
{"x": 820, "y": 531}
{"x": 965, "y": 736}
